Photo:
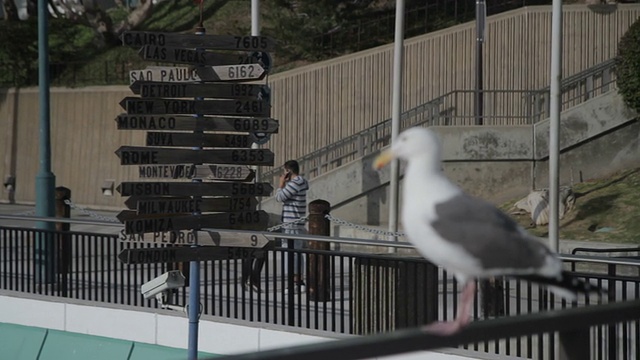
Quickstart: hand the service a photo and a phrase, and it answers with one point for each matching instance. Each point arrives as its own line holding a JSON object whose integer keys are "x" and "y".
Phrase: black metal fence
{"x": 362, "y": 293}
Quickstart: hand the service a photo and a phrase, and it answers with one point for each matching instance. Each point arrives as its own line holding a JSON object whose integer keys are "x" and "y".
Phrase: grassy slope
{"x": 606, "y": 210}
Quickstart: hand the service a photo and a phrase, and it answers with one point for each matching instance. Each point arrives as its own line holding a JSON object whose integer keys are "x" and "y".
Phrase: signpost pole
{"x": 194, "y": 266}
{"x": 255, "y": 31}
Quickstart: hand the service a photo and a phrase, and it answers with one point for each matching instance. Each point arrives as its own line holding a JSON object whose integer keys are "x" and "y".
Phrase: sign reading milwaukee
{"x": 169, "y": 206}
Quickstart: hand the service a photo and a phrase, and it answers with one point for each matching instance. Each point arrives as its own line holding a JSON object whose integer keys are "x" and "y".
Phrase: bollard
{"x": 319, "y": 266}
{"x": 63, "y": 238}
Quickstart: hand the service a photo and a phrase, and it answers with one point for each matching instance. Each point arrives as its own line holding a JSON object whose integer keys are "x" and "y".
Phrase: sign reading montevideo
{"x": 203, "y": 172}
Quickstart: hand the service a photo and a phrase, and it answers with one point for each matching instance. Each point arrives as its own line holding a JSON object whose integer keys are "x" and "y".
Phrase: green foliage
{"x": 628, "y": 66}
{"x": 68, "y": 42}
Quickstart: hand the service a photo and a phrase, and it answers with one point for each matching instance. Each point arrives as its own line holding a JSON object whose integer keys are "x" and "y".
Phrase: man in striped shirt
{"x": 292, "y": 193}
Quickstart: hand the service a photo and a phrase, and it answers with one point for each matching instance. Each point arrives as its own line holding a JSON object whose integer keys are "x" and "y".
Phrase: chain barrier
{"x": 26, "y": 213}
{"x": 299, "y": 221}
{"x": 91, "y": 213}
{"x": 363, "y": 228}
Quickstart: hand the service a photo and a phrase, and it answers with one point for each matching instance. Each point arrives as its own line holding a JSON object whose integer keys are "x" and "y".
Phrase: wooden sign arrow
{"x": 198, "y": 139}
{"x": 181, "y": 55}
{"x": 235, "y": 238}
{"x": 233, "y": 189}
{"x": 172, "y": 74}
{"x": 223, "y": 172}
{"x": 182, "y": 205}
{"x": 206, "y": 123}
{"x": 148, "y": 89}
{"x": 246, "y": 220}
{"x": 204, "y": 172}
{"x": 140, "y": 155}
{"x": 241, "y": 72}
{"x": 180, "y": 254}
{"x": 217, "y": 42}
{"x": 205, "y": 107}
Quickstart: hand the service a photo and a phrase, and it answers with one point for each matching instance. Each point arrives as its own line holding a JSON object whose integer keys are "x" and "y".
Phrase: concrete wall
{"x": 169, "y": 328}
{"x": 599, "y": 137}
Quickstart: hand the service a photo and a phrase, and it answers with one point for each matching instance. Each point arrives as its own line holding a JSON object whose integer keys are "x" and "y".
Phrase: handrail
{"x": 272, "y": 236}
{"x": 440, "y": 111}
{"x": 571, "y": 324}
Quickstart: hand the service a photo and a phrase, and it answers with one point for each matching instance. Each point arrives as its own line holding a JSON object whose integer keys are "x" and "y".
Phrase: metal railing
{"x": 456, "y": 108}
{"x": 574, "y": 328}
{"x": 366, "y": 293}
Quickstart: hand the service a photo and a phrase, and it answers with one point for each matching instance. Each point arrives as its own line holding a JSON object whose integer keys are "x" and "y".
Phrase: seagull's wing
{"x": 490, "y": 236}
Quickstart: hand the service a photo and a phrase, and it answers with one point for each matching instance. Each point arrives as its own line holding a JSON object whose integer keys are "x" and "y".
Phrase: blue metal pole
{"x": 194, "y": 268}
{"x": 45, "y": 180}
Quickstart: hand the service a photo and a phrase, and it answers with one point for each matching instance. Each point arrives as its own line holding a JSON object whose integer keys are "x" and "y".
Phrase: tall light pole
{"x": 45, "y": 180}
{"x": 554, "y": 123}
{"x": 481, "y": 17}
{"x": 396, "y": 108}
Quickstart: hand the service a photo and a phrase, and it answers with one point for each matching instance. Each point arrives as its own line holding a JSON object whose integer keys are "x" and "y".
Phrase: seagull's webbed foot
{"x": 463, "y": 317}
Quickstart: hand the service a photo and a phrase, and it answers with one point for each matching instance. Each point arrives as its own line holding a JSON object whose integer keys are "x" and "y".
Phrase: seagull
{"x": 467, "y": 236}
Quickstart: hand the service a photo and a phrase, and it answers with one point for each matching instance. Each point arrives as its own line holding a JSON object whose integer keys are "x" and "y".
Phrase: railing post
{"x": 63, "y": 238}
{"x": 575, "y": 345}
{"x": 319, "y": 265}
{"x": 612, "y": 333}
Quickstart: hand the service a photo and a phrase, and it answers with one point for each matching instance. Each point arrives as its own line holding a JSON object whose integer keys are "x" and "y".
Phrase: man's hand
{"x": 283, "y": 180}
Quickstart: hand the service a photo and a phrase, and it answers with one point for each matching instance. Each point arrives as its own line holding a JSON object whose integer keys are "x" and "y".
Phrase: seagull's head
{"x": 416, "y": 142}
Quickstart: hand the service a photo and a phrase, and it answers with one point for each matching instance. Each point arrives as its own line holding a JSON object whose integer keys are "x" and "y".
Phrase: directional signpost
{"x": 202, "y": 172}
{"x": 198, "y": 139}
{"x": 179, "y": 254}
{"x": 176, "y": 98}
{"x": 181, "y": 205}
{"x": 242, "y": 107}
{"x": 180, "y": 55}
{"x": 139, "y": 39}
{"x": 247, "y": 220}
{"x": 175, "y": 122}
{"x": 236, "y": 238}
{"x": 233, "y": 189}
{"x": 137, "y": 155}
{"x": 151, "y": 89}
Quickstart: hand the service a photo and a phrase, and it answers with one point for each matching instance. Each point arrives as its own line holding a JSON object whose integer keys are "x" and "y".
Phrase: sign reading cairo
{"x": 139, "y": 39}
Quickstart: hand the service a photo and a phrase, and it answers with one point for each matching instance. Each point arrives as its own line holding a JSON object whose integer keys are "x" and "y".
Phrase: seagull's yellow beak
{"x": 383, "y": 159}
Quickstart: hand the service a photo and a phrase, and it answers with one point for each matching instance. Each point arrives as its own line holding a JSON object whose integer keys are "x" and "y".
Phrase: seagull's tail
{"x": 565, "y": 285}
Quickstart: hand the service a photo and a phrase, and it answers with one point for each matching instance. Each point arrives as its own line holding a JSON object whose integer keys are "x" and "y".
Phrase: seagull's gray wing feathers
{"x": 488, "y": 234}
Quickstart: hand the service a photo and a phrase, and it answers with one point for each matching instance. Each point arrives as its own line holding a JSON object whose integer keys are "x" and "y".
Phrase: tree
{"x": 87, "y": 13}
{"x": 628, "y": 66}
